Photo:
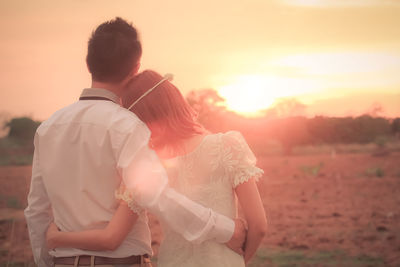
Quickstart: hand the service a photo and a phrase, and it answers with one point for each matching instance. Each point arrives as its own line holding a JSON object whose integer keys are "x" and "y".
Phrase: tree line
{"x": 282, "y": 124}
{"x": 16, "y": 148}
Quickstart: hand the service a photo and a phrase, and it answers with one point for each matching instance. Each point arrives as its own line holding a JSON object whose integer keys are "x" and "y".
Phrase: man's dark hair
{"x": 113, "y": 51}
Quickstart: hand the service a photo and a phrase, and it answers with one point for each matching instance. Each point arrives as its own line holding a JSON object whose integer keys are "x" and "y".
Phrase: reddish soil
{"x": 351, "y": 203}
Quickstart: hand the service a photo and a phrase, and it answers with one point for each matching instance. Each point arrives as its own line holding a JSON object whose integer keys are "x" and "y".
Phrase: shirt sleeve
{"x": 146, "y": 179}
{"x": 38, "y": 214}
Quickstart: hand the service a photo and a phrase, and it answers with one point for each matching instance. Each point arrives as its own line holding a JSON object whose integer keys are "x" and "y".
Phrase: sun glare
{"x": 249, "y": 95}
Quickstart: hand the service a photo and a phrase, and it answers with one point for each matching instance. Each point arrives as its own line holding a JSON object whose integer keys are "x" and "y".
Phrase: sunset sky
{"x": 339, "y": 57}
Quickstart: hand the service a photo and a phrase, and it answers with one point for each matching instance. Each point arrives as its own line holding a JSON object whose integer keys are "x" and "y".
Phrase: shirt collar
{"x": 100, "y": 92}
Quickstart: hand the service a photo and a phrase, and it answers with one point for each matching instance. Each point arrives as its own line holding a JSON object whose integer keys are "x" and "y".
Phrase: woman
{"x": 211, "y": 169}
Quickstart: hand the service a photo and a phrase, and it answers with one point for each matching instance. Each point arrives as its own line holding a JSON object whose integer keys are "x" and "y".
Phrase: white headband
{"x": 167, "y": 77}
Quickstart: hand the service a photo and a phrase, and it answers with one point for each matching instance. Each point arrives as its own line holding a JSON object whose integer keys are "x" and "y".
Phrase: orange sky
{"x": 337, "y": 56}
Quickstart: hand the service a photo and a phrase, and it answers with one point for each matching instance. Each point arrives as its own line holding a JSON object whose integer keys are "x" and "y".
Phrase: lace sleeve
{"x": 238, "y": 159}
{"x": 123, "y": 194}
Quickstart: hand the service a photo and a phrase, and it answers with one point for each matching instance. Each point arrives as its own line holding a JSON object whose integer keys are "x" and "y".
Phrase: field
{"x": 323, "y": 210}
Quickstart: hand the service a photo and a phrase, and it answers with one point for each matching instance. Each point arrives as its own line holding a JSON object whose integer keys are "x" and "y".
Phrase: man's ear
{"x": 132, "y": 74}
{"x": 135, "y": 70}
{"x": 87, "y": 67}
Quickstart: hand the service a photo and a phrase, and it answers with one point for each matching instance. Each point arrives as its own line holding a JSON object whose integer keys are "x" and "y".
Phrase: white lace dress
{"x": 208, "y": 175}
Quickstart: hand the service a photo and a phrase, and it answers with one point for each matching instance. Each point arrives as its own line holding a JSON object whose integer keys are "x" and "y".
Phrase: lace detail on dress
{"x": 207, "y": 177}
{"x": 237, "y": 159}
{"x": 124, "y": 195}
{"x": 243, "y": 177}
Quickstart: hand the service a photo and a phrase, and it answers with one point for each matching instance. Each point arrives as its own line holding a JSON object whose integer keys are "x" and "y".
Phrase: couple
{"x": 131, "y": 144}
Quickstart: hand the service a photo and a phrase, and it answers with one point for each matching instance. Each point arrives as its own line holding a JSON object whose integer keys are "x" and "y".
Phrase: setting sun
{"x": 248, "y": 95}
{"x": 251, "y": 94}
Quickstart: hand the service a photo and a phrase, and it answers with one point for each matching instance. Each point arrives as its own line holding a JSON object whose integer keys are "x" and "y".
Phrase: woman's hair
{"x": 164, "y": 110}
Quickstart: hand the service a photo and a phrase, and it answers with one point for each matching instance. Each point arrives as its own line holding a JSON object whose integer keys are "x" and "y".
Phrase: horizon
{"x": 337, "y": 58}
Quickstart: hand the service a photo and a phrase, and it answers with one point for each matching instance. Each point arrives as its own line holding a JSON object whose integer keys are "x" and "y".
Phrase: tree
{"x": 209, "y": 106}
{"x": 395, "y": 127}
{"x": 287, "y": 107}
{"x": 4, "y": 119}
{"x": 23, "y": 129}
{"x": 375, "y": 110}
{"x": 290, "y": 132}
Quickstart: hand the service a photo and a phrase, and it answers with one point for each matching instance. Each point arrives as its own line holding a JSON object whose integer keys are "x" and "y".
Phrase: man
{"x": 83, "y": 150}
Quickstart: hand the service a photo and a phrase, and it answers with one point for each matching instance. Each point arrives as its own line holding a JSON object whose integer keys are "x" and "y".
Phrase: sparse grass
{"x": 11, "y": 202}
{"x": 281, "y": 258}
{"x": 154, "y": 260}
{"x": 374, "y": 172}
{"x": 3, "y": 252}
{"x": 381, "y": 140}
{"x": 14, "y": 203}
{"x": 13, "y": 160}
{"x": 9, "y": 143}
{"x": 15, "y": 152}
{"x": 312, "y": 169}
{"x": 268, "y": 148}
{"x": 312, "y": 149}
{"x": 343, "y": 148}
{"x": 274, "y": 148}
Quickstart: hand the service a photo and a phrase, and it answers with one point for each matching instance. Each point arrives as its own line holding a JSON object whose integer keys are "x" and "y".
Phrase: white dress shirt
{"x": 81, "y": 153}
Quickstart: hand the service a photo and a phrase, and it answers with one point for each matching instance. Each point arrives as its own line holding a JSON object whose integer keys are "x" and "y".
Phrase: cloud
{"x": 355, "y": 70}
{"x": 340, "y": 3}
{"x": 342, "y": 62}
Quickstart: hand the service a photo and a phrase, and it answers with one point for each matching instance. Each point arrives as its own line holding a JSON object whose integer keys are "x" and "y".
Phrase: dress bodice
{"x": 208, "y": 176}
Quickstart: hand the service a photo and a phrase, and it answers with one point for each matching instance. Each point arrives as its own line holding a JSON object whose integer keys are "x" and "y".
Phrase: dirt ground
{"x": 346, "y": 202}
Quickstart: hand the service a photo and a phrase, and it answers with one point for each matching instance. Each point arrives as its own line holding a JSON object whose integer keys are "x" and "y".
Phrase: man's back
{"x": 81, "y": 151}
{"x": 77, "y": 151}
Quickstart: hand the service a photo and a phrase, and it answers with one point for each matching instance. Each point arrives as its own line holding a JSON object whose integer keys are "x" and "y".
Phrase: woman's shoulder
{"x": 229, "y": 138}
{"x": 234, "y": 156}
{"x": 225, "y": 135}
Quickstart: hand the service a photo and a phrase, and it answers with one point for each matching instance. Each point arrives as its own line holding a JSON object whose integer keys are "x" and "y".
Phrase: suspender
{"x": 94, "y": 98}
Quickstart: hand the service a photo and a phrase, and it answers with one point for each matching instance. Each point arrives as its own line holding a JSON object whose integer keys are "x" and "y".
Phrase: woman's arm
{"x": 253, "y": 209}
{"x": 109, "y": 238}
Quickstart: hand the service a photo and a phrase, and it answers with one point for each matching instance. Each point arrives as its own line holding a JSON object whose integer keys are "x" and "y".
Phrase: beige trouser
{"x": 145, "y": 263}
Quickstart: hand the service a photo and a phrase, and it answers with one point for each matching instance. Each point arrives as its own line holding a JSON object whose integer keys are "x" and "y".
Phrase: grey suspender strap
{"x": 94, "y": 98}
